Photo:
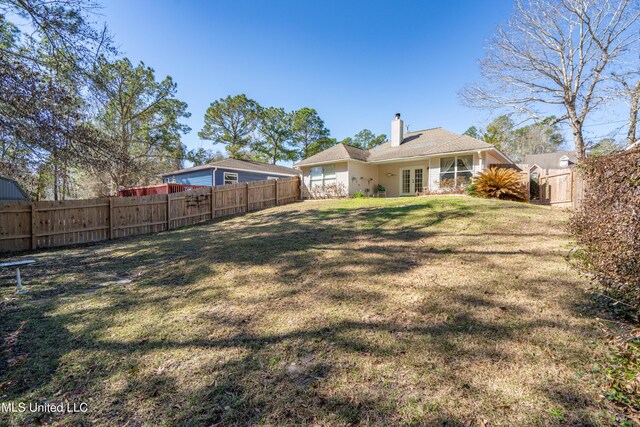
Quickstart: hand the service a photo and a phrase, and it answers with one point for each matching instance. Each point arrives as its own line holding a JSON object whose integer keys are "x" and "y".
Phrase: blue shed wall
{"x": 243, "y": 176}
{"x": 201, "y": 177}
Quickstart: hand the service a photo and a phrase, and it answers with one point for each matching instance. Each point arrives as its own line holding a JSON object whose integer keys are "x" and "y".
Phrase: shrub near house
{"x": 499, "y": 183}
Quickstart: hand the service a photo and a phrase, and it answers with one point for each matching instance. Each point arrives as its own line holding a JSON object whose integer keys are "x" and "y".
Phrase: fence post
{"x": 110, "y": 218}
{"x": 571, "y": 183}
{"x": 168, "y": 211}
{"x": 247, "y": 187}
{"x": 33, "y": 226}
{"x": 276, "y": 184}
{"x": 213, "y": 202}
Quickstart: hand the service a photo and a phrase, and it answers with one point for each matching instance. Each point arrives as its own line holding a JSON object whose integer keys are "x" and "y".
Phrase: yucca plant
{"x": 499, "y": 183}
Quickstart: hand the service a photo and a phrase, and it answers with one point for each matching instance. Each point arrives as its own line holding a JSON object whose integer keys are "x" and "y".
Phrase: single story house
{"x": 550, "y": 163}
{"x": 428, "y": 160}
{"x": 228, "y": 171}
{"x": 10, "y": 191}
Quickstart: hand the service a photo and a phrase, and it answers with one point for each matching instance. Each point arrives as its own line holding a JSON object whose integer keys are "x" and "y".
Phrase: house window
{"x": 322, "y": 176}
{"x": 456, "y": 171}
{"x": 230, "y": 178}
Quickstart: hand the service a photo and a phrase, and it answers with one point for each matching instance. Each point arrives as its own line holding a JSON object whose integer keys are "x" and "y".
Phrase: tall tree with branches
{"x": 44, "y": 74}
{"x": 275, "y": 135}
{"x": 141, "y": 117}
{"x": 232, "y": 121}
{"x": 307, "y": 128}
{"x": 552, "y": 57}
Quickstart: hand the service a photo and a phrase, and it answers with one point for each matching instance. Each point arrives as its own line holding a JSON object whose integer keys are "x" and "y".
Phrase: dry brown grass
{"x": 417, "y": 311}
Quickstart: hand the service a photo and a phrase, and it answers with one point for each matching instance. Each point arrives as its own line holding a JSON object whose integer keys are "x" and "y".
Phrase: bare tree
{"x": 630, "y": 92}
{"x": 552, "y": 55}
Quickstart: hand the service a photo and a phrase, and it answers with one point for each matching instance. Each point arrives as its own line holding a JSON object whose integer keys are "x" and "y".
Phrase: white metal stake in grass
{"x": 17, "y": 265}
{"x": 20, "y": 290}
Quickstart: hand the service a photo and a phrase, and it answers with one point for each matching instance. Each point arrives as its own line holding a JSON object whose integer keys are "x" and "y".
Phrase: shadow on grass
{"x": 269, "y": 377}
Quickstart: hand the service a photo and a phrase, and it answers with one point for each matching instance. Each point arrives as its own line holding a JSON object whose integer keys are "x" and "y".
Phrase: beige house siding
{"x": 353, "y": 176}
{"x": 492, "y": 160}
{"x": 389, "y": 175}
{"x": 362, "y": 177}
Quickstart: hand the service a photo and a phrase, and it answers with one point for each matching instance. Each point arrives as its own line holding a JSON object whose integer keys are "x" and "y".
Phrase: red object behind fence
{"x": 156, "y": 189}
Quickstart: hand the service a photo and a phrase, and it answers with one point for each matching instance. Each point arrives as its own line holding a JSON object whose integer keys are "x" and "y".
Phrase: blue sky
{"x": 356, "y": 62}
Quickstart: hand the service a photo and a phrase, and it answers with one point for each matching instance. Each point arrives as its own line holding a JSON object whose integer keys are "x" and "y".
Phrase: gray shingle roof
{"x": 238, "y": 164}
{"x": 550, "y": 160}
{"x": 428, "y": 142}
{"x": 338, "y": 152}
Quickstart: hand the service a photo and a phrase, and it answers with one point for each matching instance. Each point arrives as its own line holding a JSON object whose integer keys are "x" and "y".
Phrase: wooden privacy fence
{"x": 34, "y": 225}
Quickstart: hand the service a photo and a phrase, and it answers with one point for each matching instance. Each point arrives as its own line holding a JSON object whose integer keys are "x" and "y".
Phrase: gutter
{"x": 329, "y": 162}
{"x": 428, "y": 156}
{"x": 406, "y": 159}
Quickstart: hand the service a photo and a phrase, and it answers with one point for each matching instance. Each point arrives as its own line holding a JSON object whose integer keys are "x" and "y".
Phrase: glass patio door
{"x": 411, "y": 181}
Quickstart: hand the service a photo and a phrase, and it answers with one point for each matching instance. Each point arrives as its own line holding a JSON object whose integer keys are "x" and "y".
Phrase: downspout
{"x": 348, "y": 178}
{"x": 213, "y": 176}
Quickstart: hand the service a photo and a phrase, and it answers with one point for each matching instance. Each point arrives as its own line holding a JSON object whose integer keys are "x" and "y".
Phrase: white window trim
{"x": 412, "y": 179}
{"x": 230, "y": 174}
{"x": 455, "y": 167}
{"x": 322, "y": 180}
{"x": 274, "y": 178}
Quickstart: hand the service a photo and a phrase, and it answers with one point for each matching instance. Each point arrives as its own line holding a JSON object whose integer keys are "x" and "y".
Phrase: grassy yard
{"x": 419, "y": 311}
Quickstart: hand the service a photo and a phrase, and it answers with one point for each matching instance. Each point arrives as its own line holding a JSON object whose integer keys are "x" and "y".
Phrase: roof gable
{"x": 336, "y": 153}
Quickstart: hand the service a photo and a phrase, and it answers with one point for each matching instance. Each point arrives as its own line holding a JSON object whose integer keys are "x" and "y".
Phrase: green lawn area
{"x": 415, "y": 311}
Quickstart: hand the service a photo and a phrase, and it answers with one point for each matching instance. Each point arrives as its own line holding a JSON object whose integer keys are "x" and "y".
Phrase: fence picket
{"x": 25, "y": 225}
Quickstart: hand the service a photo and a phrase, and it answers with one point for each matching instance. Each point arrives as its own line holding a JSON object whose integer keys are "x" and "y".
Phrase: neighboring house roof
{"x": 422, "y": 143}
{"x": 241, "y": 165}
{"x": 550, "y": 160}
{"x": 10, "y": 191}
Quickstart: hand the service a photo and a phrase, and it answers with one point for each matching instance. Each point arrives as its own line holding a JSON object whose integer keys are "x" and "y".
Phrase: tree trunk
{"x": 576, "y": 129}
{"x": 633, "y": 115}
{"x": 578, "y": 141}
{"x": 55, "y": 174}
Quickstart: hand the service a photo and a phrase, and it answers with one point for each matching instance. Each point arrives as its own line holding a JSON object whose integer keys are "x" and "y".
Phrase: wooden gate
{"x": 557, "y": 189}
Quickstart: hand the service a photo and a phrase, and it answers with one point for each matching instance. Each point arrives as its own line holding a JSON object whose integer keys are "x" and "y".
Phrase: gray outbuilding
{"x": 10, "y": 191}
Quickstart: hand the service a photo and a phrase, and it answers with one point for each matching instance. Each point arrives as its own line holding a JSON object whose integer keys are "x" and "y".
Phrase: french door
{"x": 411, "y": 181}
